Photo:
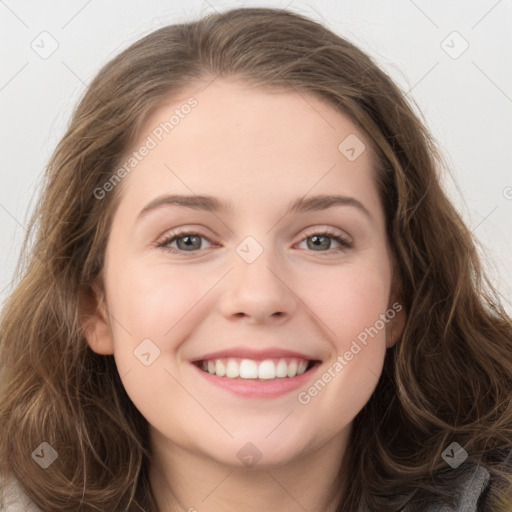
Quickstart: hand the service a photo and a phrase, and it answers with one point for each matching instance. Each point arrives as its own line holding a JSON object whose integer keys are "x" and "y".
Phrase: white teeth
{"x": 292, "y": 369}
{"x": 232, "y": 369}
{"x": 220, "y": 369}
{"x": 302, "y": 367}
{"x": 282, "y": 369}
{"x": 267, "y": 370}
{"x": 250, "y": 369}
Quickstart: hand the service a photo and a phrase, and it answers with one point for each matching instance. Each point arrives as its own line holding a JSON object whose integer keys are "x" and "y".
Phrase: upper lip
{"x": 255, "y": 354}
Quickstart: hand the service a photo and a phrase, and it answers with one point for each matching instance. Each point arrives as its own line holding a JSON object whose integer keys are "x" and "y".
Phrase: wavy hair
{"x": 448, "y": 377}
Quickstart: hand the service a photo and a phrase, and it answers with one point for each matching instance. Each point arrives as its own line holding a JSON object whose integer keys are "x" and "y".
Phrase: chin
{"x": 253, "y": 451}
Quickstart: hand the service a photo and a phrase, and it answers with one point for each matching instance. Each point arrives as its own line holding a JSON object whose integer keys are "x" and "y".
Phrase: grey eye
{"x": 319, "y": 242}
{"x": 188, "y": 242}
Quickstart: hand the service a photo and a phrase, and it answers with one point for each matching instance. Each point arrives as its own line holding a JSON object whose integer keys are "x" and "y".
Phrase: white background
{"x": 466, "y": 101}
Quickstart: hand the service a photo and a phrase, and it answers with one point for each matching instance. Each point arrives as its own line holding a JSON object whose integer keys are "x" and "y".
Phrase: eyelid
{"x": 177, "y": 232}
{"x": 327, "y": 230}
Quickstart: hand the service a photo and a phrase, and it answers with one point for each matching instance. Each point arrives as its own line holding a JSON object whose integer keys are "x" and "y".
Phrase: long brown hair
{"x": 448, "y": 378}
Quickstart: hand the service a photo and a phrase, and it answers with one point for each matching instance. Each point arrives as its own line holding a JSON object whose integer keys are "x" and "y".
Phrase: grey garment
{"x": 472, "y": 484}
{"x": 472, "y": 487}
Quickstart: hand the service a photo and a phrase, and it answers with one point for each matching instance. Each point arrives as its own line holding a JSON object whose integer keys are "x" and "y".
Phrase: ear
{"x": 396, "y": 314}
{"x": 396, "y": 324}
{"x": 396, "y": 310}
{"x": 95, "y": 321}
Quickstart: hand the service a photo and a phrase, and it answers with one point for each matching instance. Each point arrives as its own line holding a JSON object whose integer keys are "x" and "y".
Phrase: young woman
{"x": 249, "y": 292}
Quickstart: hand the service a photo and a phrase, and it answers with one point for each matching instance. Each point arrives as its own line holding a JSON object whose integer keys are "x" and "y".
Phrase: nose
{"x": 259, "y": 292}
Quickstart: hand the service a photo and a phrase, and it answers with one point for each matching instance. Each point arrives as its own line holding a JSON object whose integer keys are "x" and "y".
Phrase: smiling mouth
{"x": 267, "y": 369}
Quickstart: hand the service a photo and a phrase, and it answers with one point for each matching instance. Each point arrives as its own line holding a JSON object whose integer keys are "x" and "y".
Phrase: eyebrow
{"x": 212, "y": 204}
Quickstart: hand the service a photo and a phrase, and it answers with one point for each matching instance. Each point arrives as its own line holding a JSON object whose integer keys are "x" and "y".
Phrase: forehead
{"x": 263, "y": 142}
{"x": 252, "y": 116}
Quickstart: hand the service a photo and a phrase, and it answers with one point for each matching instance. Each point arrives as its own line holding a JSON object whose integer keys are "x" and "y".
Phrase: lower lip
{"x": 255, "y": 388}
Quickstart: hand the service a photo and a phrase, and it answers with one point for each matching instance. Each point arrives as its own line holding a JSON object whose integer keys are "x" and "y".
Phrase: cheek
{"x": 153, "y": 297}
{"x": 348, "y": 299}
{"x": 153, "y": 310}
{"x": 156, "y": 303}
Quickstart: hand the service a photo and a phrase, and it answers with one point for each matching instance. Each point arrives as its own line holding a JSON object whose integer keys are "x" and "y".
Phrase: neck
{"x": 185, "y": 481}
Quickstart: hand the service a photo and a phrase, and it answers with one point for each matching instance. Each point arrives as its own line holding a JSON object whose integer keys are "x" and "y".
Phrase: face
{"x": 261, "y": 313}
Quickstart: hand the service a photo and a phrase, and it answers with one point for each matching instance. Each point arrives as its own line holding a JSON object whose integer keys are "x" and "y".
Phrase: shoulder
{"x": 12, "y": 497}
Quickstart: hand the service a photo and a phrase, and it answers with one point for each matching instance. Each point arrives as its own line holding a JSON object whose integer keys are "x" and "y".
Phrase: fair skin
{"x": 257, "y": 150}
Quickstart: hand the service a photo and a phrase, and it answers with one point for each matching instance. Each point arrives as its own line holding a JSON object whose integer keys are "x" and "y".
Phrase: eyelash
{"x": 344, "y": 243}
